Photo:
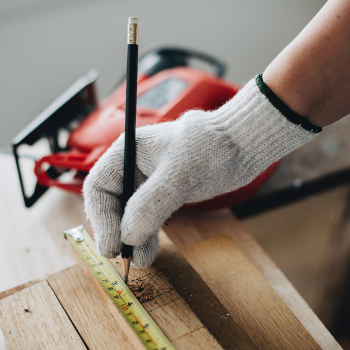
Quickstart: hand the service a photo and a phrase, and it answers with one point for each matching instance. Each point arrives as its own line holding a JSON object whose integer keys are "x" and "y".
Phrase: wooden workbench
{"x": 209, "y": 252}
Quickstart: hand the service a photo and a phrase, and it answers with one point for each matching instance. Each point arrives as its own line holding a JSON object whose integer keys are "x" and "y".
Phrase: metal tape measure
{"x": 131, "y": 309}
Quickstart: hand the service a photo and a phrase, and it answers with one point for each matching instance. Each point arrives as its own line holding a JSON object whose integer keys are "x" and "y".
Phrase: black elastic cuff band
{"x": 284, "y": 109}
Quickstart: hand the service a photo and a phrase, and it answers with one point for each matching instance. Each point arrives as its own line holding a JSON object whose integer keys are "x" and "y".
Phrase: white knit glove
{"x": 197, "y": 157}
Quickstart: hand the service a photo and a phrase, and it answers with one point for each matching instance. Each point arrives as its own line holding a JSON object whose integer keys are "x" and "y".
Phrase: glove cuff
{"x": 284, "y": 109}
{"x": 261, "y": 127}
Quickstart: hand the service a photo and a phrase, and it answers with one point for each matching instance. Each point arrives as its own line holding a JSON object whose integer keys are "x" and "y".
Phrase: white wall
{"x": 45, "y": 45}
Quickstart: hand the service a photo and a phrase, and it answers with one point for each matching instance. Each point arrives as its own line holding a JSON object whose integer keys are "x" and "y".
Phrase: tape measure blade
{"x": 137, "y": 324}
{"x": 134, "y": 339}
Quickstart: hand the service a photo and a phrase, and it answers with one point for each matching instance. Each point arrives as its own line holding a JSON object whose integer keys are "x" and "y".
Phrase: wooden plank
{"x": 34, "y": 319}
{"x": 247, "y": 295}
{"x": 166, "y": 307}
{"x": 185, "y": 229}
{"x": 14, "y": 290}
{"x": 96, "y": 325}
{"x": 134, "y": 340}
{"x": 199, "y": 297}
{"x": 6, "y": 342}
{"x": 30, "y": 239}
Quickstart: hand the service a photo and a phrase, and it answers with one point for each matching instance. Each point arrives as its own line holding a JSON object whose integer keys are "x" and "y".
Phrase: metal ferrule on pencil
{"x": 133, "y": 33}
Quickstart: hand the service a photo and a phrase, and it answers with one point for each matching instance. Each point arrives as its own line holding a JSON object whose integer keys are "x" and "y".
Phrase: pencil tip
{"x": 126, "y": 279}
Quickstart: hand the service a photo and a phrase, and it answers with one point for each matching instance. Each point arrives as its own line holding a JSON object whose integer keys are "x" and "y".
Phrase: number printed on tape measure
{"x": 125, "y": 301}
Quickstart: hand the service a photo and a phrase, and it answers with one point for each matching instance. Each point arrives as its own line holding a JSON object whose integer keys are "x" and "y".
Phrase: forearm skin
{"x": 312, "y": 74}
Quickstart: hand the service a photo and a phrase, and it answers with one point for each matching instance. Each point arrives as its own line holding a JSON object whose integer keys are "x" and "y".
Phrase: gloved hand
{"x": 197, "y": 157}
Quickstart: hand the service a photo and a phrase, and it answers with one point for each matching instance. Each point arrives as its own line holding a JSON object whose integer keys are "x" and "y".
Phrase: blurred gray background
{"x": 46, "y": 45}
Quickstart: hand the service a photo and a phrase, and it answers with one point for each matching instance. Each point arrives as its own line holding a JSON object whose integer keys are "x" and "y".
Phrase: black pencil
{"x": 130, "y": 126}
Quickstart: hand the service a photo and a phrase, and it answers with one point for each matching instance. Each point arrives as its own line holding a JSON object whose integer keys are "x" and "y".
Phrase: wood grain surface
{"x": 186, "y": 229}
{"x": 200, "y": 298}
{"x": 33, "y": 246}
{"x": 6, "y": 343}
{"x": 167, "y": 308}
{"x": 250, "y": 300}
{"x": 85, "y": 308}
{"x": 14, "y": 290}
{"x": 33, "y": 318}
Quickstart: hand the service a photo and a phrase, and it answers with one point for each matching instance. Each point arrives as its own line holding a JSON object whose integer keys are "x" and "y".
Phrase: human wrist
{"x": 291, "y": 115}
{"x": 257, "y": 105}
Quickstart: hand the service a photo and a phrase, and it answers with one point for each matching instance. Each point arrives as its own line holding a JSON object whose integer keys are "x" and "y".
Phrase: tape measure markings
{"x": 126, "y": 302}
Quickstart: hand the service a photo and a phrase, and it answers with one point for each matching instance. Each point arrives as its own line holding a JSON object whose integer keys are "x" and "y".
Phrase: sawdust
{"x": 145, "y": 291}
{"x": 142, "y": 290}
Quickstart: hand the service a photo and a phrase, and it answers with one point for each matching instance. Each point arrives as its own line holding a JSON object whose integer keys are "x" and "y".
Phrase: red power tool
{"x": 78, "y": 130}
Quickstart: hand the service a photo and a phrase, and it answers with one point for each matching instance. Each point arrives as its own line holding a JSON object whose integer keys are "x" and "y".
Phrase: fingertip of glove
{"x": 133, "y": 232}
{"x": 106, "y": 254}
{"x": 106, "y": 250}
{"x": 144, "y": 255}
